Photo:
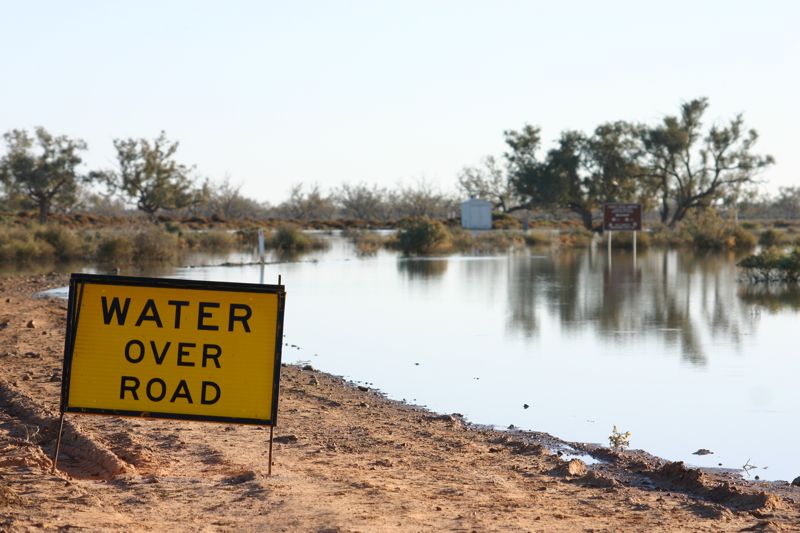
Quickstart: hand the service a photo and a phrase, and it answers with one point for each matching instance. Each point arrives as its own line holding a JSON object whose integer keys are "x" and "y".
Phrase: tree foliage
{"x": 579, "y": 173}
{"x": 676, "y": 164}
{"x": 42, "y": 169}
{"x": 691, "y": 169}
{"x": 150, "y": 176}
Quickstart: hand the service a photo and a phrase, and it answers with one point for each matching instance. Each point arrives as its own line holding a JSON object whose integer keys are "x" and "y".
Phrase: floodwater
{"x": 670, "y": 347}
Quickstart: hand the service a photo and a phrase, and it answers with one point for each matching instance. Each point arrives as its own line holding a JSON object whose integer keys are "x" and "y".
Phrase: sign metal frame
{"x": 79, "y": 281}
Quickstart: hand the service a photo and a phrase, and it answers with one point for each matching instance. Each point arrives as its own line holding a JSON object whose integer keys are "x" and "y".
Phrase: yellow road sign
{"x": 173, "y": 349}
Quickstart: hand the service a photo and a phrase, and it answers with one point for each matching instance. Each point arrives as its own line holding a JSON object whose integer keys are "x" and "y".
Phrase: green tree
{"x": 580, "y": 173}
{"x": 689, "y": 169}
{"x": 149, "y": 175}
{"x": 42, "y": 169}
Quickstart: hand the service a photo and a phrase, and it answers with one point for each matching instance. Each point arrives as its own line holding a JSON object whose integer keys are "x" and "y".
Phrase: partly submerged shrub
{"x": 115, "y": 249}
{"x": 538, "y": 237}
{"x": 366, "y": 242}
{"x": 66, "y": 244}
{"x": 422, "y": 236}
{"x": 773, "y": 265}
{"x": 576, "y": 238}
{"x": 155, "y": 245}
{"x": 211, "y": 241}
{"x": 505, "y": 221}
{"x": 706, "y": 230}
{"x": 773, "y": 237}
{"x": 623, "y": 240}
{"x": 20, "y": 245}
{"x": 290, "y": 238}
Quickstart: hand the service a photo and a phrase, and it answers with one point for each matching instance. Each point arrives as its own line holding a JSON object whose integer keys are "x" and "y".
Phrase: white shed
{"x": 476, "y": 214}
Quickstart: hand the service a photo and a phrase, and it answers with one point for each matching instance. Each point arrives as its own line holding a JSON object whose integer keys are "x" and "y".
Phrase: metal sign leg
{"x": 58, "y": 442}
{"x": 269, "y": 464}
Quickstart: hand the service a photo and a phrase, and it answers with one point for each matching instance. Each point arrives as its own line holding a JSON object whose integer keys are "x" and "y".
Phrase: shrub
{"x": 116, "y": 249}
{"x": 20, "y": 245}
{"x": 706, "y": 230}
{"x": 485, "y": 242}
{"x": 423, "y": 236}
{"x": 743, "y": 239}
{"x": 366, "y": 242}
{"x": 211, "y": 241}
{"x": 290, "y": 238}
{"x": 66, "y": 244}
{"x": 153, "y": 245}
{"x": 771, "y": 265}
{"x": 576, "y": 238}
{"x": 623, "y": 240}
{"x": 538, "y": 238}
{"x": 505, "y": 221}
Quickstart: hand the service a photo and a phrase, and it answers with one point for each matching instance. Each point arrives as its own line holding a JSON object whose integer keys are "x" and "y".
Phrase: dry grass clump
{"x": 704, "y": 230}
{"x": 150, "y": 244}
{"x": 40, "y": 243}
{"x": 366, "y": 242}
{"x": 538, "y": 237}
{"x": 575, "y": 238}
{"x": 486, "y": 242}
{"x": 115, "y": 248}
{"x": 215, "y": 241}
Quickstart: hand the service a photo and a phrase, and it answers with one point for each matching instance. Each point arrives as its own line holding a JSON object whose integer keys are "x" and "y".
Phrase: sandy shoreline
{"x": 345, "y": 459}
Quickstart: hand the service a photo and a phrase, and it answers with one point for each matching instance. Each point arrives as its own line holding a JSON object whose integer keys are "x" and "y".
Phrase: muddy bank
{"x": 345, "y": 459}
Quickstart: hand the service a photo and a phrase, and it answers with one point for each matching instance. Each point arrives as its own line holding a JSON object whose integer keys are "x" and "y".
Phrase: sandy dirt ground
{"x": 345, "y": 459}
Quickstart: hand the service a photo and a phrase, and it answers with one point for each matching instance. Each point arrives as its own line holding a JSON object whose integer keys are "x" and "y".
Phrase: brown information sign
{"x": 622, "y": 217}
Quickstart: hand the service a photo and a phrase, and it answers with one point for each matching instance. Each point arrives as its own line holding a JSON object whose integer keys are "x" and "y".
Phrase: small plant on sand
{"x": 618, "y": 439}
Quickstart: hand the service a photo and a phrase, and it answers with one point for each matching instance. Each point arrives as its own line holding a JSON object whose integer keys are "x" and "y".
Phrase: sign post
{"x": 622, "y": 217}
{"x": 168, "y": 348}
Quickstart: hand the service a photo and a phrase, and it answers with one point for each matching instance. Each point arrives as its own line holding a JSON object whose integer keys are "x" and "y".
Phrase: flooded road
{"x": 671, "y": 348}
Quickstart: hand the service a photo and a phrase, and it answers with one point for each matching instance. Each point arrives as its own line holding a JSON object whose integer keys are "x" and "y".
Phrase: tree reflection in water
{"x": 676, "y": 297}
{"x": 422, "y": 268}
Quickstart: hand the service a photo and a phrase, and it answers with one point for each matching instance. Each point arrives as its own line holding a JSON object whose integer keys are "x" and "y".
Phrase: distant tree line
{"x": 672, "y": 167}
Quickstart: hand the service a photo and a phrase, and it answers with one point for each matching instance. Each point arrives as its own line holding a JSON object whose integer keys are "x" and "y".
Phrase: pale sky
{"x": 326, "y": 92}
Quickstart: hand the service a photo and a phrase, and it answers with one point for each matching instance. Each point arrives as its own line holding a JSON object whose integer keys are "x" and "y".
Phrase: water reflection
{"x": 674, "y": 296}
{"x": 770, "y": 297}
{"x": 422, "y": 268}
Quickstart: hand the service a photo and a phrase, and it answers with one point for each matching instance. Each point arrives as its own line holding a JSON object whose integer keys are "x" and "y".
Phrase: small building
{"x": 476, "y": 214}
